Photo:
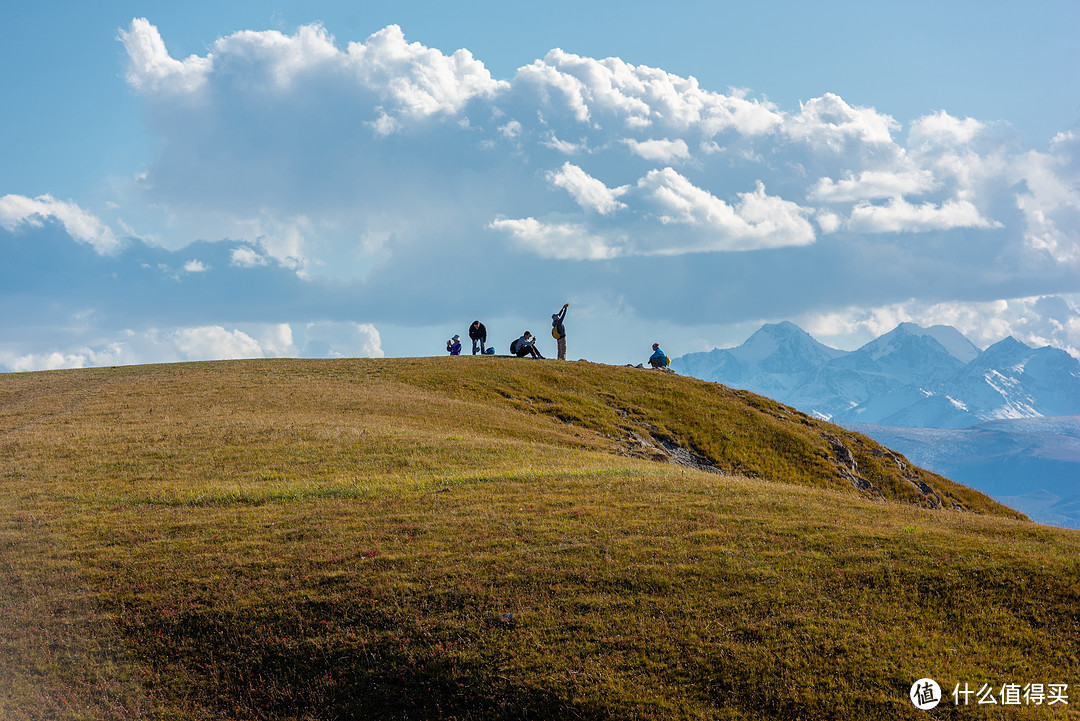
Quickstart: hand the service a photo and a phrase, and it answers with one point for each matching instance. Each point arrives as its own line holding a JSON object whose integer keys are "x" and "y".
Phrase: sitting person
{"x": 659, "y": 358}
{"x": 453, "y": 346}
{"x": 525, "y": 345}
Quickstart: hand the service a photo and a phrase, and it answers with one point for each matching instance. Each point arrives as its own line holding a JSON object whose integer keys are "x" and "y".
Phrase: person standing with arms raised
{"x": 558, "y": 330}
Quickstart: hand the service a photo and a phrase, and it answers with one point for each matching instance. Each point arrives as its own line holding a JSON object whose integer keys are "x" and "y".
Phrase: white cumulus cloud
{"x": 417, "y": 80}
{"x": 245, "y": 256}
{"x": 561, "y": 241}
{"x": 330, "y": 339}
{"x": 411, "y": 80}
{"x": 130, "y": 347}
{"x": 214, "y": 343}
{"x": 16, "y": 210}
{"x": 589, "y": 192}
{"x": 900, "y": 216}
{"x": 872, "y": 184}
{"x": 756, "y": 221}
{"x": 638, "y": 96}
{"x": 660, "y": 150}
{"x": 941, "y": 128}
{"x": 829, "y": 122}
{"x": 1051, "y": 203}
{"x": 152, "y": 69}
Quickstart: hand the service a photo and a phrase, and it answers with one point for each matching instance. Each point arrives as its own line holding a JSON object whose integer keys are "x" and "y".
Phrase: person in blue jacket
{"x": 658, "y": 359}
{"x": 453, "y": 346}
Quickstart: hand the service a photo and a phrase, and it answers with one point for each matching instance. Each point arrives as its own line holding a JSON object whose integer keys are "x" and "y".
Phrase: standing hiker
{"x": 558, "y": 330}
{"x": 478, "y": 333}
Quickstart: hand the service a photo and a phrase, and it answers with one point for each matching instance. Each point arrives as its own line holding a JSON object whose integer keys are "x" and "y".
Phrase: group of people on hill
{"x": 521, "y": 347}
{"x": 526, "y": 344}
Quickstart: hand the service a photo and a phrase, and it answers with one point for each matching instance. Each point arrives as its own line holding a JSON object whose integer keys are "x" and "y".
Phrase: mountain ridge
{"x": 911, "y": 376}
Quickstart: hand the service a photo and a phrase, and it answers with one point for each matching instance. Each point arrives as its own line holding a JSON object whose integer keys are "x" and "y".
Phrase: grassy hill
{"x": 494, "y": 538}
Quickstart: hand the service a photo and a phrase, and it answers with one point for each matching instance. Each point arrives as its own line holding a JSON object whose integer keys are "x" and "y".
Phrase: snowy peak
{"x": 911, "y": 376}
{"x": 911, "y": 355}
{"x": 784, "y": 345}
{"x": 953, "y": 341}
{"x": 1005, "y": 352}
{"x": 941, "y": 338}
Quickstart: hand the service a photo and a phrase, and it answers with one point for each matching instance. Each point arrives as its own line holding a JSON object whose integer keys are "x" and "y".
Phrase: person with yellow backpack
{"x": 558, "y": 330}
{"x": 659, "y": 358}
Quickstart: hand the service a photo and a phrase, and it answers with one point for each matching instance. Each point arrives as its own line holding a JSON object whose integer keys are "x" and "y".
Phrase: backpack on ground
{"x": 513, "y": 346}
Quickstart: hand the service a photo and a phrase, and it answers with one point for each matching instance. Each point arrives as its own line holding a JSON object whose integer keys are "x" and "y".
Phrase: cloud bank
{"x": 305, "y": 182}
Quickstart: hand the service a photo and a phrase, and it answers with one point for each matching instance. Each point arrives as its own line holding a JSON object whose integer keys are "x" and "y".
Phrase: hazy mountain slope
{"x": 1032, "y": 464}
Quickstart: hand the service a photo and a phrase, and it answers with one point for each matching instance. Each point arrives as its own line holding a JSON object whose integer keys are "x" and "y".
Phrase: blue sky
{"x": 328, "y": 178}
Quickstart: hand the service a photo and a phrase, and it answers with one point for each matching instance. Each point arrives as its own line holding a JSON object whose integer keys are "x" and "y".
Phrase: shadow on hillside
{"x": 369, "y": 669}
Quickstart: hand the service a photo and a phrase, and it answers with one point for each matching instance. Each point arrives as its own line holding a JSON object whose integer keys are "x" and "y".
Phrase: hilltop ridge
{"x": 703, "y": 425}
{"x": 618, "y": 410}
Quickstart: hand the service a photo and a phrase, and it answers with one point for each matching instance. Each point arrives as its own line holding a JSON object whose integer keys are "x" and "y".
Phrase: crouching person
{"x": 658, "y": 359}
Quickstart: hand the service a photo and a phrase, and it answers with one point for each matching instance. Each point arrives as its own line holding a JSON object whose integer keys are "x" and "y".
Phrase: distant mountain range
{"x": 1005, "y": 420}
{"x": 911, "y": 376}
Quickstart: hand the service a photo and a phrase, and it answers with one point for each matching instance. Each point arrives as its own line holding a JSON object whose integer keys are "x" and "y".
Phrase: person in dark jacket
{"x": 478, "y": 333}
{"x": 559, "y": 330}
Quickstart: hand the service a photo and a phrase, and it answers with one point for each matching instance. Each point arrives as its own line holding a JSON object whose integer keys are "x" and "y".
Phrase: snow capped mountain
{"x": 951, "y": 339}
{"x": 774, "y": 359}
{"x": 911, "y": 376}
{"x": 1007, "y": 380}
{"x": 784, "y": 347}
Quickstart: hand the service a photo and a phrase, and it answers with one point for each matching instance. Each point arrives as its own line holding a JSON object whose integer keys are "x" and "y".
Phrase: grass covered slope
{"x": 490, "y": 538}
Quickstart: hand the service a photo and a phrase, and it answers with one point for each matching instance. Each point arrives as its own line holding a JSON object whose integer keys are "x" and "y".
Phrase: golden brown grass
{"x": 442, "y": 539}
